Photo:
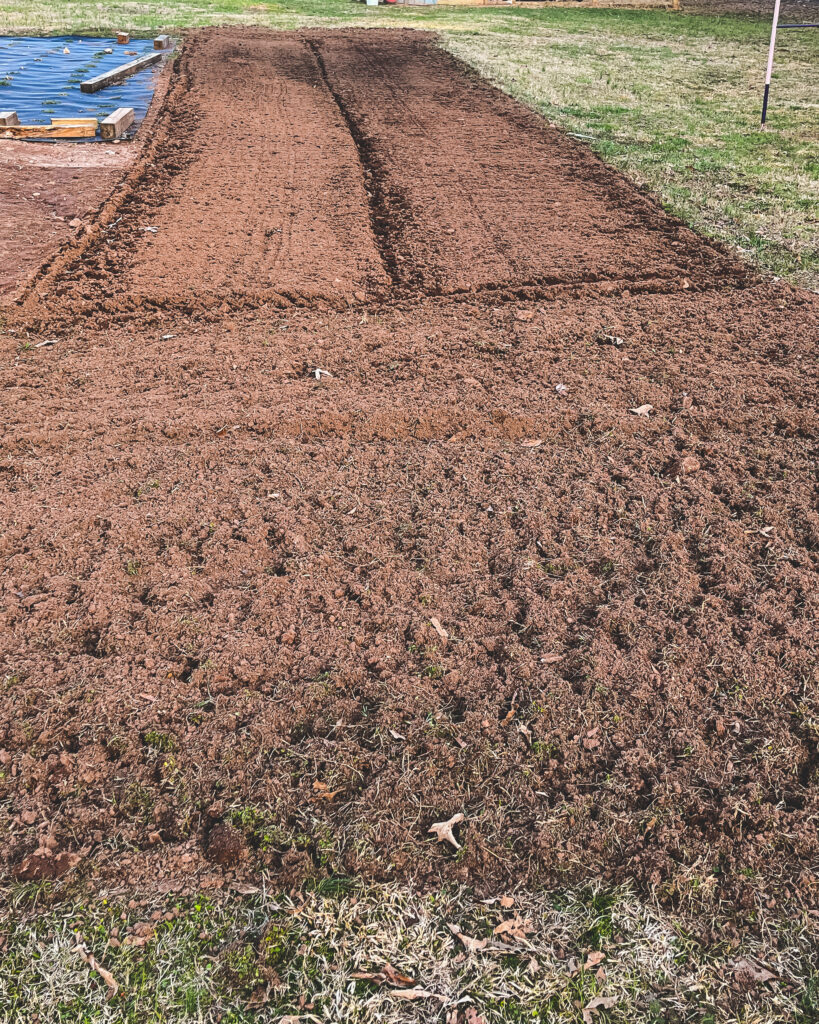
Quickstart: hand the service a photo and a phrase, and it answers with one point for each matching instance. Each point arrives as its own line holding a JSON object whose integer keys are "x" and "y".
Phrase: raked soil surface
{"x": 328, "y": 513}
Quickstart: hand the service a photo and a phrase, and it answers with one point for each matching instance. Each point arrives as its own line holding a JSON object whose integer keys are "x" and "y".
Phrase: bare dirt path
{"x": 255, "y": 616}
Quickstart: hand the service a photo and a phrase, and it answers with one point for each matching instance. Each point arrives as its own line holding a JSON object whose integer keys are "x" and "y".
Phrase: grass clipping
{"x": 348, "y": 952}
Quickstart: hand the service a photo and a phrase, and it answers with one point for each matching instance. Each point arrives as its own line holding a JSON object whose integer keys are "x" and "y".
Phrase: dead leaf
{"x": 259, "y": 997}
{"x": 386, "y": 975}
{"x": 551, "y": 659}
{"x": 756, "y": 972}
{"x": 598, "y": 1003}
{"x": 397, "y": 735}
{"x": 642, "y": 410}
{"x": 110, "y": 981}
{"x": 524, "y": 314}
{"x": 593, "y": 959}
{"x": 443, "y": 830}
{"x": 532, "y": 442}
{"x": 507, "y": 901}
{"x": 323, "y": 792}
{"x": 470, "y": 944}
{"x": 439, "y": 629}
{"x": 244, "y": 889}
{"x": 515, "y": 926}
{"x": 415, "y": 993}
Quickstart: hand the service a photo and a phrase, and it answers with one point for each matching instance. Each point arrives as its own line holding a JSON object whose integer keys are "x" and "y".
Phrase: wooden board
{"x": 83, "y": 122}
{"x": 123, "y": 38}
{"x": 162, "y": 42}
{"x": 8, "y": 117}
{"x": 119, "y": 74}
{"x": 115, "y": 124}
{"x": 48, "y": 131}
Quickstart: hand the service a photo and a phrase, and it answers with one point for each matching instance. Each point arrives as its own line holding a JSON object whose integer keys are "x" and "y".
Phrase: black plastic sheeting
{"x": 40, "y": 80}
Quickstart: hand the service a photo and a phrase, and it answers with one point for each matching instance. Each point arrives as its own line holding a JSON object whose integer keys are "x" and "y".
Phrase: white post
{"x": 770, "y": 61}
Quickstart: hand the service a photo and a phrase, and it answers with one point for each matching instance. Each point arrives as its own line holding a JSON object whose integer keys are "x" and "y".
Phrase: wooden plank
{"x": 115, "y": 124}
{"x": 85, "y": 122}
{"x": 162, "y": 42}
{"x": 123, "y": 38}
{"x": 47, "y": 131}
{"x": 119, "y": 74}
{"x": 8, "y": 117}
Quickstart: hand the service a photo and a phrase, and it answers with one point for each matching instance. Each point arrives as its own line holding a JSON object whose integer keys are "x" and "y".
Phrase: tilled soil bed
{"x": 415, "y": 465}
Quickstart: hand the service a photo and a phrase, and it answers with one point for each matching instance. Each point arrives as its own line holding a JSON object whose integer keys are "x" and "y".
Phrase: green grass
{"x": 261, "y": 957}
{"x": 672, "y": 99}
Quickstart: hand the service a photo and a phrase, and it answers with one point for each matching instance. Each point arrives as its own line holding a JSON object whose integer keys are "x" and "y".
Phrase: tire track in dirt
{"x": 475, "y": 191}
{"x": 378, "y": 201}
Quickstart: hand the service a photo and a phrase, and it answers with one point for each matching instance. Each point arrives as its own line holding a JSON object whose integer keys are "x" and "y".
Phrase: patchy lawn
{"x": 343, "y": 951}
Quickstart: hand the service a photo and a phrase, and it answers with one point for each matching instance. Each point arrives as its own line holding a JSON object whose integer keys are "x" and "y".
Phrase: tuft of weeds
{"x": 163, "y": 742}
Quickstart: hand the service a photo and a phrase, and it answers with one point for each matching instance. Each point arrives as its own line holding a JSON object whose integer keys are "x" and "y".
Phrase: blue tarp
{"x": 40, "y": 80}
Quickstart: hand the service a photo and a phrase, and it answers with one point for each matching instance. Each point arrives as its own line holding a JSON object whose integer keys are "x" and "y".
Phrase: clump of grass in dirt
{"x": 344, "y": 951}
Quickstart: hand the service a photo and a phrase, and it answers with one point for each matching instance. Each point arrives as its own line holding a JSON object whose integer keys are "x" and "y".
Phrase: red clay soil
{"x": 479, "y": 192}
{"x": 43, "y": 187}
{"x": 256, "y": 616}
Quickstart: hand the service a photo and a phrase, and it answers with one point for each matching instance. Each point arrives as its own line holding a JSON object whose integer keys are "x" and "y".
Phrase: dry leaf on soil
{"x": 642, "y": 410}
{"x": 323, "y": 792}
{"x": 439, "y": 629}
{"x": 470, "y": 944}
{"x": 443, "y": 830}
{"x": 754, "y": 971}
{"x": 482, "y": 945}
{"x": 515, "y": 926}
